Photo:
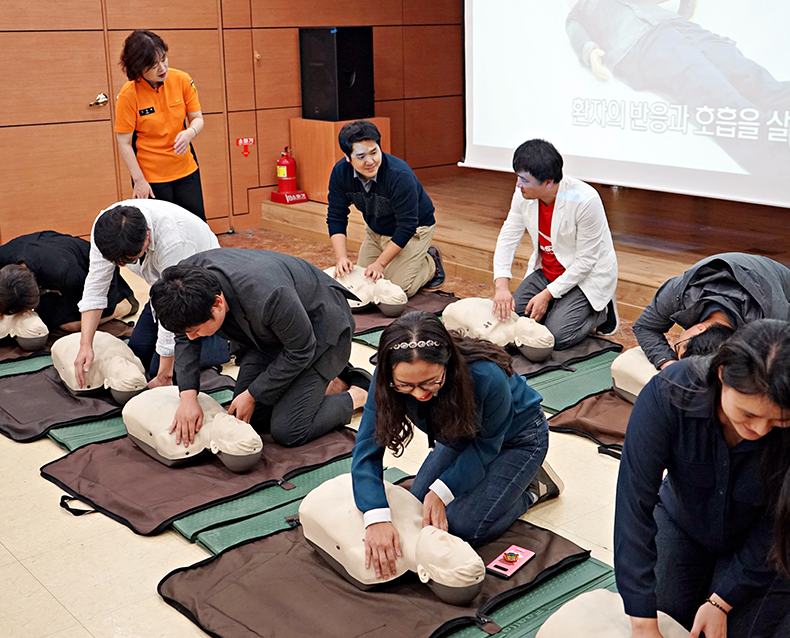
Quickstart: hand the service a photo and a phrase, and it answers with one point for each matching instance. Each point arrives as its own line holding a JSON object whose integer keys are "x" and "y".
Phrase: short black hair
{"x": 141, "y": 50}
{"x": 183, "y": 297}
{"x": 120, "y": 234}
{"x": 540, "y": 159}
{"x": 18, "y": 289}
{"x": 709, "y": 341}
{"x": 357, "y": 131}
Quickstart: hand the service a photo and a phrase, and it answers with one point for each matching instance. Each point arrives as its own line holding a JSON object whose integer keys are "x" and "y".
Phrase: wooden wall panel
{"x": 326, "y": 13}
{"x": 434, "y": 131}
{"x": 388, "y": 63}
{"x": 211, "y": 147}
{"x": 156, "y": 15}
{"x": 395, "y": 112}
{"x": 239, "y": 74}
{"x": 433, "y": 12}
{"x": 24, "y": 15}
{"x": 236, "y": 14}
{"x": 243, "y": 170}
{"x": 273, "y": 135}
{"x": 277, "y": 77}
{"x": 55, "y": 177}
{"x": 432, "y": 61}
{"x": 194, "y": 52}
{"x": 41, "y": 82}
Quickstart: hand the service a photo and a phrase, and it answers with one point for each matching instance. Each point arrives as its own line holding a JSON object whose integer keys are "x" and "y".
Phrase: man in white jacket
{"x": 572, "y": 273}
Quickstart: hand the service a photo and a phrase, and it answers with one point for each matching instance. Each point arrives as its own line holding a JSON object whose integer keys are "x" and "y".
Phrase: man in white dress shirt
{"x": 572, "y": 273}
{"x": 147, "y": 236}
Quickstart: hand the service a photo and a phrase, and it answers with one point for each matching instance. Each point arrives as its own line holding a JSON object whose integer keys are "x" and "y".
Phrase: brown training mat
{"x": 33, "y": 403}
{"x": 602, "y": 417}
{"x": 279, "y": 587}
{"x": 117, "y": 478}
{"x": 10, "y": 351}
{"x": 563, "y": 359}
{"x": 431, "y": 301}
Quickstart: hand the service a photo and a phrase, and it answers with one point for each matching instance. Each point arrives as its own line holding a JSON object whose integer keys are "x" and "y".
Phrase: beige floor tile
{"x": 596, "y": 527}
{"x": 27, "y": 609}
{"x": 6, "y": 557}
{"x": 599, "y": 552}
{"x": 111, "y": 571}
{"x": 148, "y": 618}
{"x": 75, "y": 631}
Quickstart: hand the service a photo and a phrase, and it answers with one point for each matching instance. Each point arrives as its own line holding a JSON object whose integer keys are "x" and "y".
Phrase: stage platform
{"x": 656, "y": 235}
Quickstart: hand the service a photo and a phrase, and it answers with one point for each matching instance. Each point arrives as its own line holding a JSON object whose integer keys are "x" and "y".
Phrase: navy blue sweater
{"x": 714, "y": 493}
{"x": 395, "y": 206}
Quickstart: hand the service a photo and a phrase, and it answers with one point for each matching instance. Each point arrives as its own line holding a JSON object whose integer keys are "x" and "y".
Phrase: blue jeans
{"x": 485, "y": 512}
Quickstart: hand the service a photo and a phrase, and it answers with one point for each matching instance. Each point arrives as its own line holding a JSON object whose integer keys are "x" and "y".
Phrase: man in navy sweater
{"x": 398, "y": 213}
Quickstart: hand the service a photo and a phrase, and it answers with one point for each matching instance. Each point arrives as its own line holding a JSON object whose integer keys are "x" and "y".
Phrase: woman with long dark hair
{"x": 708, "y": 544}
{"x": 488, "y": 427}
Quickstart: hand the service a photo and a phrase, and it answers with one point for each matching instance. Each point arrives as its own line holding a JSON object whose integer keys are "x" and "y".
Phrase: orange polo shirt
{"x": 158, "y": 115}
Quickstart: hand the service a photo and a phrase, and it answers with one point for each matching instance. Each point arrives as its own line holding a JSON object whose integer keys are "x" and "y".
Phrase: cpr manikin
{"x": 631, "y": 371}
{"x": 335, "y": 527}
{"x": 148, "y": 418}
{"x": 115, "y": 366}
{"x": 600, "y": 614}
{"x": 388, "y": 297}
{"x": 474, "y": 317}
{"x": 26, "y": 327}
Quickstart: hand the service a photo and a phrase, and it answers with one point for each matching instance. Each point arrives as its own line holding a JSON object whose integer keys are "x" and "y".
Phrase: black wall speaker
{"x": 337, "y": 73}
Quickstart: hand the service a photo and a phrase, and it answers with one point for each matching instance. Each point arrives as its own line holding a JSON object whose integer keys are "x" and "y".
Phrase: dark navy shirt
{"x": 395, "y": 205}
{"x": 712, "y": 492}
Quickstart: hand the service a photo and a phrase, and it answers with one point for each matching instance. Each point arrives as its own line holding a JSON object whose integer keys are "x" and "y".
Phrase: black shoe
{"x": 356, "y": 377}
{"x": 135, "y": 305}
{"x": 612, "y": 322}
{"x": 438, "y": 276}
{"x": 546, "y": 485}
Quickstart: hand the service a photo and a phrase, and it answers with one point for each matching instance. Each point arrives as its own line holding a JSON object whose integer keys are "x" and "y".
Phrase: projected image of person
{"x": 652, "y": 48}
{"x": 572, "y": 273}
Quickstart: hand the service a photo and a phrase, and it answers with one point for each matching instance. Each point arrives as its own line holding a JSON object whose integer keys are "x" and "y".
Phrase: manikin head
{"x": 148, "y": 418}
{"x": 27, "y": 328}
{"x": 387, "y": 296}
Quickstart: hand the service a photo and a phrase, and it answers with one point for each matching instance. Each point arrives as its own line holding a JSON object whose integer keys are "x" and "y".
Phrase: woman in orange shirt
{"x": 150, "y": 116}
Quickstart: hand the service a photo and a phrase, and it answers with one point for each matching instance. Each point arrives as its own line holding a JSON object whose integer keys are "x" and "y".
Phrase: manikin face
{"x": 208, "y": 328}
{"x": 531, "y": 188}
{"x": 158, "y": 72}
{"x": 420, "y": 379}
{"x": 749, "y": 416}
{"x": 365, "y": 158}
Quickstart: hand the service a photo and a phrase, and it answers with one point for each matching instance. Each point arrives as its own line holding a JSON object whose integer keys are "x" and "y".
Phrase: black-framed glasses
{"x": 680, "y": 350}
{"x": 431, "y": 386}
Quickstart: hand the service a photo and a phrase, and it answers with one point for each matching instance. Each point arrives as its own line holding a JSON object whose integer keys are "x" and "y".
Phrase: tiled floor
{"x": 80, "y": 577}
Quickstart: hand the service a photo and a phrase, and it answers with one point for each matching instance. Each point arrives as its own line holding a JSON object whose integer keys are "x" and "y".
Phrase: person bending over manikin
{"x": 474, "y": 317}
{"x": 26, "y": 327}
{"x": 115, "y": 366}
{"x": 333, "y": 524}
{"x": 148, "y": 418}
{"x": 380, "y": 292}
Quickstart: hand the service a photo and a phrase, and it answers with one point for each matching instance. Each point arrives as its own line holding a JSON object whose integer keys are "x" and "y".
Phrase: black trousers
{"x": 186, "y": 192}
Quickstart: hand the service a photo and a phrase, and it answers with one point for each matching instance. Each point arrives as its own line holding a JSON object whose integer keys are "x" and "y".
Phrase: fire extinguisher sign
{"x": 245, "y": 142}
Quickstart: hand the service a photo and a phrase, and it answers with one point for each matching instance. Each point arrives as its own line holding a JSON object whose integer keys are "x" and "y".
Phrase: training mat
{"x": 117, "y": 478}
{"x": 369, "y": 338}
{"x": 561, "y": 389}
{"x": 73, "y": 436}
{"x": 433, "y": 301}
{"x": 272, "y": 520}
{"x": 33, "y": 403}
{"x": 602, "y": 417}
{"x": 305, "y": 597}
{"x": 10, "y": 351}
{"x": 563, "y": 359}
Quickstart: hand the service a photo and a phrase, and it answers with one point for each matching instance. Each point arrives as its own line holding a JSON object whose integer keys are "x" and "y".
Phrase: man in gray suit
{"x": 729, "y": 289}
{"x": 294, "y": 326}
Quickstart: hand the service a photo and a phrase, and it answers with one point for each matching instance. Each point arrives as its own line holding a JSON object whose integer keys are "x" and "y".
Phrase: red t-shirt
{"x": 551, "y": 267}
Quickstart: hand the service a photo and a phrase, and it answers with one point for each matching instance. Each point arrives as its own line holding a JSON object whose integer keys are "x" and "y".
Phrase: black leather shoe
{"x": 358, "y": 377}
{"x": 438, "y": 277}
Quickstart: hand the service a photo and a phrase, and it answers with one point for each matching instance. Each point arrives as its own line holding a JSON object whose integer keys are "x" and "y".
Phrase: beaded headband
{"x": 415, "y": 344}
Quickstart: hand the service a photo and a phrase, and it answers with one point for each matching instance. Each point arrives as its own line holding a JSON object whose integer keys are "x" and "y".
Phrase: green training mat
{"x": 23, "y": 366}
{"x": 369, "y": 338}
{"x": 523, "y": 617}
{"x": 73, "y": 436}
{"x": 220, "y": 538}
{"x": 561, "y": 388}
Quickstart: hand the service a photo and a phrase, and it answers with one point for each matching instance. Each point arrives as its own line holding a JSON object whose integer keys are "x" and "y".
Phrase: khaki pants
{"x": 412, "y": 268}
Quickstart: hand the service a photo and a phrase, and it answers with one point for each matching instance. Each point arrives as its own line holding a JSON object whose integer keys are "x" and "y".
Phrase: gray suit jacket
{"x": 748, "y": 287}
{"x": 282, "y": 306}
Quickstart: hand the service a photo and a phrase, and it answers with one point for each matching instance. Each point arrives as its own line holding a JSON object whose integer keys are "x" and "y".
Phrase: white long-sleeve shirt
{"x": 175, "y": 234}
{"x": 580, "y": 237}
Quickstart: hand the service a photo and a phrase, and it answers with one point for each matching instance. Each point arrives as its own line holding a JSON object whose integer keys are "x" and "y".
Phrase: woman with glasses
{"x": 485, "y": 424}
{"x": 157, "y": 117}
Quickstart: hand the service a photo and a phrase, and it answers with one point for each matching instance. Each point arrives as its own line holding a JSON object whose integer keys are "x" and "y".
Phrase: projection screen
{"x": 685, "y": 96}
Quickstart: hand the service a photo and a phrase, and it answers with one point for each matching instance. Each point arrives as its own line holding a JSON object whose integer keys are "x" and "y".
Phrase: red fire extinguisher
{"x": 286, "y": 192}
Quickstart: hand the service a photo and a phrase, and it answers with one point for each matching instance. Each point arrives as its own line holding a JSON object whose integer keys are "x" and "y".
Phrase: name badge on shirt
{"x": 147, "y": 111}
